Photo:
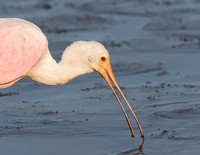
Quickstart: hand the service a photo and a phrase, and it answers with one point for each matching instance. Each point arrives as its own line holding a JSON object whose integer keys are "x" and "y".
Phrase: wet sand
{"x": 154, "y": 48}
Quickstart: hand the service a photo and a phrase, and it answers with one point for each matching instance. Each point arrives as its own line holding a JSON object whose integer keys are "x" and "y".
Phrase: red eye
{"x": 103, "y": 58}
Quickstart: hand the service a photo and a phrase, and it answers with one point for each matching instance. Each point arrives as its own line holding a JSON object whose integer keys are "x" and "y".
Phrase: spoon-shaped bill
{"x": 106, "y": 72}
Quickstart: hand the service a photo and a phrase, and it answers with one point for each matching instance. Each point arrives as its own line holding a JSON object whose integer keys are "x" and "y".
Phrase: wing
{"x": 22, "y": 44}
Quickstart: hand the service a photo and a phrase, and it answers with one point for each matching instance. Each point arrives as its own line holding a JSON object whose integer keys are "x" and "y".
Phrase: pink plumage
{"x": 21, "y": 46}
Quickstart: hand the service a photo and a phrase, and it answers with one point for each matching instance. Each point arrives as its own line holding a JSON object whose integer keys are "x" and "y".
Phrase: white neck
{"x": 48, "y": 71}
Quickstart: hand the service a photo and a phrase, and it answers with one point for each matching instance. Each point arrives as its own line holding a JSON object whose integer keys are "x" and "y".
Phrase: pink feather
{"x": 21, "y": 46}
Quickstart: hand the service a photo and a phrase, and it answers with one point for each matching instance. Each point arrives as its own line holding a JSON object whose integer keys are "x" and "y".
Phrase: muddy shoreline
{"x": 154, "y": 48}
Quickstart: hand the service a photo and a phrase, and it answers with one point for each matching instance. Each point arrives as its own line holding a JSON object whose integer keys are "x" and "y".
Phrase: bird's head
{"x": 91, "y": 55}
{"x": 94, "y": 55}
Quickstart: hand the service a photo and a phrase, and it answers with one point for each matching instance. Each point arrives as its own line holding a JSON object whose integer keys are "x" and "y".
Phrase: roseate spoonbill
{"x": 24, "y": 52}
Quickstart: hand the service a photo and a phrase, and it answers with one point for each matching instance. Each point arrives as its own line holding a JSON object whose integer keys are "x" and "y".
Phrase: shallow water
{"x": 154, "y": 49}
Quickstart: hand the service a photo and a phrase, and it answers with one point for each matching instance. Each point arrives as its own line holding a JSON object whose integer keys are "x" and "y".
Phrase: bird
{"x": 24, "y": 52}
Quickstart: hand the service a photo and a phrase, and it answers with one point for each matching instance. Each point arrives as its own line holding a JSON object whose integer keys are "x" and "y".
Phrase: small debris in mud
{"x": 58, "y": 30}
{"x": 167, "y": 3}
{"x": 93, "y": 18}
{"x": 86, "y": 89}
{"x": 8, "y": 94}
{"x": 185, "y": 39}
{"x": 92, "y": 97}
{"x": 72, "y": 5}
{"x": 161, "y": 133}
{"x": 144, "y": 86}
{"x": 47, "y": 6}
{"x": 151, "y": 98}
{"x": 114, "y": 43}
{"x": 168, "y": 84}
{"x": 97, "y": 87}
{"x": 162, "y": 85}
{"x": 148, "y": 82}
{"x": 24, "y": 102}
{"x": 182, "y": 27}
{"x": 77, "y": 111}
{"x": 183, "y": 138}
{"x": 162, "y": 73}
{"x": 48, "y": 113}
{"x": 45, "y": 122}
{"x": 19, "y": 127}
{"x": 185, "y": 111}
{"x": 70, "y": 122}
{"x": 189, "y": 86}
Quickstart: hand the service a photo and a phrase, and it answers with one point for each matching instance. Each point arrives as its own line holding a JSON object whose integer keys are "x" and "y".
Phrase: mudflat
{"x": 154, "y": 48}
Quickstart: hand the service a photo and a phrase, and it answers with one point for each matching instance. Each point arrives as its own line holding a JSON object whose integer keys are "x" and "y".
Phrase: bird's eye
{"x": 103, "y": 58}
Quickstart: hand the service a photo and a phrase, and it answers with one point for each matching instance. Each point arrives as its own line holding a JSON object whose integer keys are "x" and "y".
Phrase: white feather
{"x": 79, "y": 58}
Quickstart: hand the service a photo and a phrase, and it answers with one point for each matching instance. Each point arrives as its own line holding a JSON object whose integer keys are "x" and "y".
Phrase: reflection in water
{"x": 135, "y": 151}
{"x": 141, "y": 146}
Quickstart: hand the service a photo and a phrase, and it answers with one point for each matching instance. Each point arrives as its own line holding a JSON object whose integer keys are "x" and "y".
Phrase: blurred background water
{"x": 154, "y": 50}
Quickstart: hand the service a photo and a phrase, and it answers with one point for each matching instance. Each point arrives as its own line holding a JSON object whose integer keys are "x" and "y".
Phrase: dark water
{"x": 154, "y": 49}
